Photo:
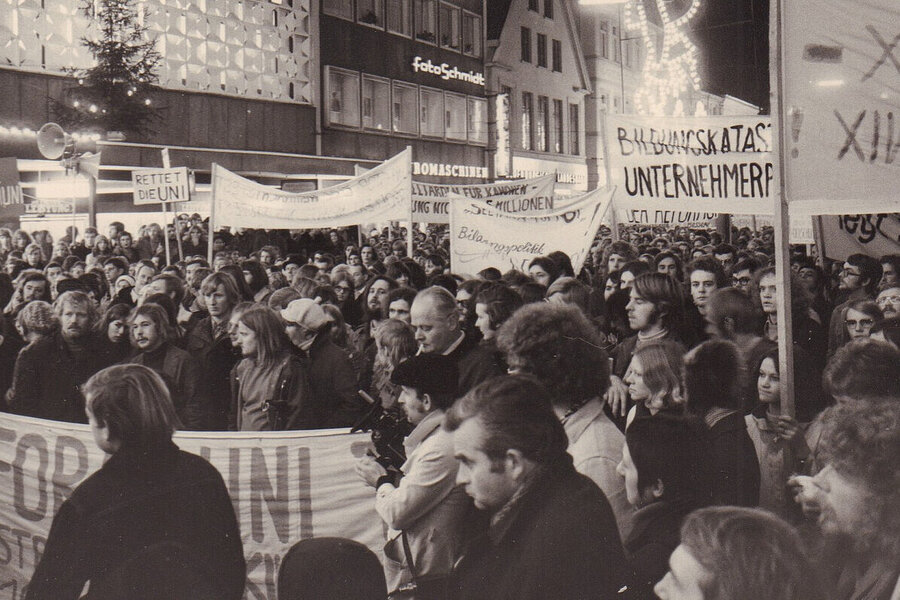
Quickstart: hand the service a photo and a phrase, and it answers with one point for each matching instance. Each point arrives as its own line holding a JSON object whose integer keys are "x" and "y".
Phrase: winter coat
{"x": 334, "y": 401}
{"x": 182, "y": 374}
{"x": 280, "y": 393}
{"x": 216, "y": 357}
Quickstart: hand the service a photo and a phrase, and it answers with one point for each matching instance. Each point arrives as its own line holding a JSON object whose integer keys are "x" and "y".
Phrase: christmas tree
{"x": 113, "y": 95}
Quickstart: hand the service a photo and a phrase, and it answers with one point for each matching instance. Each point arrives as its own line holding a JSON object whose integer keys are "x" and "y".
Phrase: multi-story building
{"x": 537, "y": 81}
{"x": 400, "y": 73}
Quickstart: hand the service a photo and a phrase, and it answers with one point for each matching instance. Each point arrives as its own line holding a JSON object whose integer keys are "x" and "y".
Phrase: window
{"x": 616, "y": 51}
{"x": 574, "y": 146}
{"x": 449, "y": 21}
{"x": 431, "y": 111}
{"x": 376, "y": 103}
{"x": 338, "y": 8}
{"x": 455, "y": 121}
{"x": 626, "y": 53}
{"x": 534, "y": 5}
{"x": 370, "y": 12}
{"x": 557, "y": 56}
{"x": 343, "y": 97}
{"x": 471, "y": 34}
{"x": 405, "y": 108}
{"x": 526, "y": 45}
{"x": 527, "y": 112}
{"x": 426, "y": 20}
{"x": 548, "y": 9}
{"x": 399, "y": 17}
{"x": 542, "y": 126}
{"x": 477, "y": 120}
{"x": 604, "y": 39}
{"x": 541, "y": 50}
{"x": 557, "y": 122}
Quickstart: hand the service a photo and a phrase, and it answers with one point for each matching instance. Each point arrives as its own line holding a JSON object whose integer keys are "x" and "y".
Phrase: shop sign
{"x": 445, "y": 170}
{"x": 446, "y": 72}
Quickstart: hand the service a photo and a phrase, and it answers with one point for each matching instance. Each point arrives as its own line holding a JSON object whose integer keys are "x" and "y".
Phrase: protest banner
{"x": 873, "y": 234}
{"x": 430, "y": 201}
{"x": 154, "y": 186}
{"x": 11, "y": 199}
{"x": 801, "y": 226}
{"x": 663, "y": 165}
{"x": 840, "y": 110}
{"x": 285, "y": 486}
{"x": 482, "y": 236}
{"x": 379, "y": 195}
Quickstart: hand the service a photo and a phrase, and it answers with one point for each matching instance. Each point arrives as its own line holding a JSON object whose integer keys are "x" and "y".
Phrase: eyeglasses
{"x": 888, "y": 300}
{"x": 740, "y": 281}
{"x": 862, "y": 322}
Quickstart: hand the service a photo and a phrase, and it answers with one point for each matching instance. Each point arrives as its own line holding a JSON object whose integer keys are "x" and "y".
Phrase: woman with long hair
{"x": 148, "y": 504}
{"x": 115, "y": 330}
{"x": 395, "y": 341}
{"x": 654, "y": 380}
{"x": 269, "y": 386}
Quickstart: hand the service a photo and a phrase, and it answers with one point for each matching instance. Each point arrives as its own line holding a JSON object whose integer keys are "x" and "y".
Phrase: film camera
{"x": 389, "y": 427}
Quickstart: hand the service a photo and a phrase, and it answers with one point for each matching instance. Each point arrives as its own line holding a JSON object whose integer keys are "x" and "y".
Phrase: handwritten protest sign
{"x": 482, "y": 236}
{"x": 663, "y": 165}
{"x": 381, "y": 194}
{"x": 841, "y": 109}
{"x": 430, "y": 201}
{"x": 874, "y": 235}
{"x": 284, "y": 486}
{"x": 153, "y": 186}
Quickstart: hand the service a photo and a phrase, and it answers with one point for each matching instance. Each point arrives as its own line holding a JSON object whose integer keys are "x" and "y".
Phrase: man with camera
{"x": 424, "y": 508}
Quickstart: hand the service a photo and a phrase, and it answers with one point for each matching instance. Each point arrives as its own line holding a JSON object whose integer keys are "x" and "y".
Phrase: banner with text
{"x": 379, "y": 195}
{"x": 678, "y": 170}
{"x": 482, "y": 236}
{"x": 155, "y": 186}
{"x": 284, "y": 486}
{"x": 875, "y": 235}
{"x": 841, "y": 107}
{"x": 12, "y": 202}
{"x": 430, "y": 201}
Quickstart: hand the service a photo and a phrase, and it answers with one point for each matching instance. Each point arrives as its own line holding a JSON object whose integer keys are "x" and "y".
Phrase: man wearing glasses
{"x": 859, "y": 281}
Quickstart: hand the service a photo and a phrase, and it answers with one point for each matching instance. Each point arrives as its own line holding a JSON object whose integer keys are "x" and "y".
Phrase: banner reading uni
{"x": 482, "y": 236}
{"x": 694, "y": 165}
{"x": 841, "y": 105}
{"x": 381, "y": 194}
{"x": 284, "y": 486}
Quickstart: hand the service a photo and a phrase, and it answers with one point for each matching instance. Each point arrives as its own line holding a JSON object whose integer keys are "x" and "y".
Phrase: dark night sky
{"x": 733, "y": 39}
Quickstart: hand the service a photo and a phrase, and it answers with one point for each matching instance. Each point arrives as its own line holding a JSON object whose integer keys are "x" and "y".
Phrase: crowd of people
{"x": 615, "y": 432}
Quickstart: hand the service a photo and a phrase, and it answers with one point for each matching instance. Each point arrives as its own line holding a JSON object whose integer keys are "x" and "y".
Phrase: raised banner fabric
{"x": 431, "y": 201}
{"x": 285, "y": 486}
{"x": 873, "y": 234}
{"x": 841, "y": 105}
{"x": 680, "y": 170}
{"x": 378, "y": 195}
{"x": 482, "y": 236}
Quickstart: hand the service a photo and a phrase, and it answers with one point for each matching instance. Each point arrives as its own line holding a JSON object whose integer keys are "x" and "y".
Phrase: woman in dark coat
{"x": 663, "y": 463}
{"x": 149, "y": 499}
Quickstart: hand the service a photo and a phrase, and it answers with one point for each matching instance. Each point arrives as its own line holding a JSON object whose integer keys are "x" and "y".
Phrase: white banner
{"x": 875, "y": 235}
{"x": 284, "y": 487}
{"x": 379, "y": 195}
{"x": 663, "y": 165}
{"x": 801, "y": 226}
{"x": 430, "y": 201}
{"x": 152, "y": 186}
{"x": 841, "y": 105}
{"x": 482, "y": 236}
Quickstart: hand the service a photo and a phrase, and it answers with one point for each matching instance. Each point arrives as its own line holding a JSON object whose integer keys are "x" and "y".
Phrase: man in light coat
{"x": 425, "y": 510}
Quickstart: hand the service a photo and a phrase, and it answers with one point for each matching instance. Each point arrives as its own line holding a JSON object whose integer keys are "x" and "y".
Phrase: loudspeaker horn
{"x": 53, "y": 142}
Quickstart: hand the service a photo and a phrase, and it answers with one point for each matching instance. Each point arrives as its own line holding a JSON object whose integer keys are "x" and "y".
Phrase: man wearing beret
{"x": 425, "y": 510}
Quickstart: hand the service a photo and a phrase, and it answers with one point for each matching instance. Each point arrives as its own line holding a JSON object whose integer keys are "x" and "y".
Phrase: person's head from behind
{"x": 435, "y": 317}
{"x": 712, "y": 373}
{"x": 730, "y": 313}
{"x": 858, "y": 490}
{"x": 734, "y": 553}
{"x": 654, "y": 304}
{"x": 664, "y": 459}
{"x": 654, "y": 376}
{"x": 503, "y": 430}
{"x": 128, "y": 406}
{"x": 863, "y": 368}
{"x": 568, "y": 290}
{"x": 36, "y": 320}
{"x": 428, "y": 382}
{"x": 395, "y": 341}
{"x": 76, "y": 313}
{"x": 495, "y": 303}
{"x": 558, "y": 345}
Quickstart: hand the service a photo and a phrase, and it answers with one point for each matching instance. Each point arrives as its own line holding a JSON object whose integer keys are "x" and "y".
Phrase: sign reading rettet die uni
{"x": 152, "y": 186}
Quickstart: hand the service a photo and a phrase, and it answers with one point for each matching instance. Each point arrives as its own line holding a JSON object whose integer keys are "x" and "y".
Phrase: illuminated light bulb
{"x": 130, "y": 92}
{"x": 76, "y": 104}
{"x": 147, "y": 102}
{"x": 93, "y": 108}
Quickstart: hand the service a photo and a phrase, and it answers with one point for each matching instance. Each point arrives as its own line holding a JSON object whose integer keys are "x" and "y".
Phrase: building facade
{"x": 399, "y": 73}
{"x": 537, "y": 84}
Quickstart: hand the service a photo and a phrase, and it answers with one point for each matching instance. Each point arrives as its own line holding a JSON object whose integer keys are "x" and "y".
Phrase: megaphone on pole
{"x": 53, "y": 142}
